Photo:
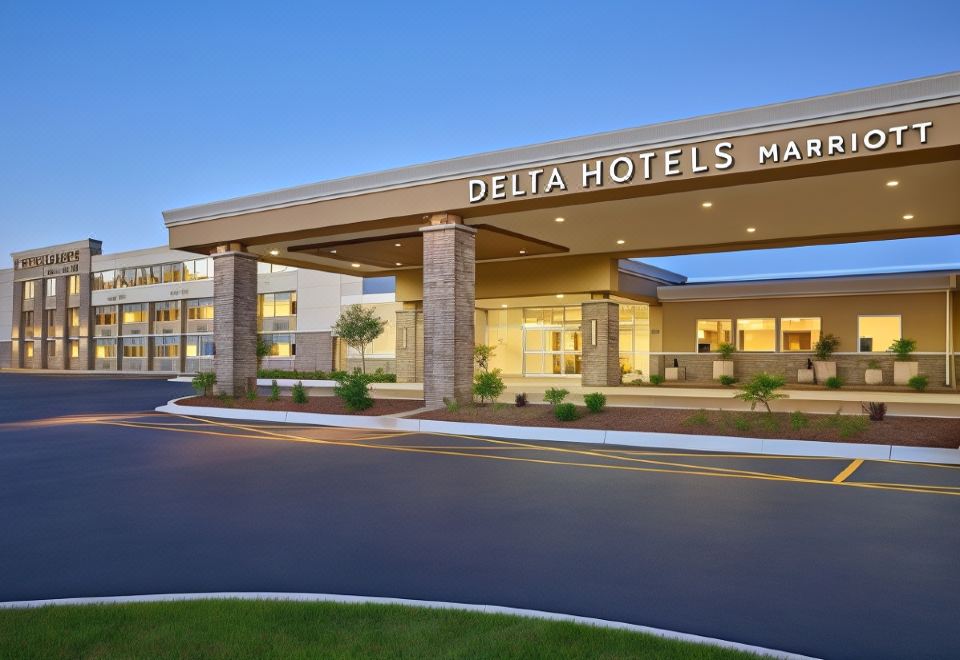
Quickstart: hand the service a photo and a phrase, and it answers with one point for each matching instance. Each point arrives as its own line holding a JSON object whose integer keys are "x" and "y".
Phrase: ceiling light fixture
{"x": 750, "y": 230}
{"x": 523, "y": 251}
{"x": 399, "y": 264}
{"x": 396, "y": 244}
{"x": 503, "y": 305}
{"x": 893, "y": 183}
{"x": 908, "y": 216}
{"x": 620, "y": 241}
{"x": 559, "y": 219}
{"x": 333, "y": 251}
{"x": 355, "y": 265}
{"x": 274, "y": 252}
{"x": 559, "y": 295}
{"x": 707, "y": 205}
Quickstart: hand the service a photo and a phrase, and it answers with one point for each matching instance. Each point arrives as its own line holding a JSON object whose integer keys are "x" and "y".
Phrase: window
{"x": 200, "y": 346}
{"x": 134, "y": 347}
{"x": 127, "y": 277}
{"x": 105, "y": 348}
{"x": 73, "y": 285}
{"x": 711, "y": 333}
{"x": 280, "y": 345}
{"x": 379, "y": 284}
{"x": 50, "y": 320}
{"x": 878, "y": 332}
{"x": 106, "y": 315}
{"x": 272, "y": 305}
{"x": 51, "y": 348}
{"x": 28, "y": 325}
{"x": 172, "y": 272}
{"x": 799, "y": 334}
{"x": 200, "y": 309}
{"x": 29, "y": 289}
{"x": 73, "y": 320}
{"x": 74, "y": 349}
{"x": 756, "y": 334}
{"x": 198, "y": 269}
{"x": 143, "y": 276}
{"x": 166, "y": 347}
{"x": 156, "y": 275}
{"x": 136, "y": 313}
{"x": 167, "y": 311}
{"x": 51, "y": 285}
{"x": 28, "y": 349}
{"x": 105, "y": 279}
{"x": 264, "y": 268}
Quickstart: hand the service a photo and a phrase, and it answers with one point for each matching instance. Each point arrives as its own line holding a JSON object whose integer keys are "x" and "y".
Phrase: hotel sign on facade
{"x": 49, "y": 259}
{"x": 693, "y": 160}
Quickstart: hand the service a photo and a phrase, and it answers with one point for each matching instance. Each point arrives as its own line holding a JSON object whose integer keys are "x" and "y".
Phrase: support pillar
{"x": 234, "y": 319}
{"x": 449, "y": 277}
{"x": 601, "y": 343}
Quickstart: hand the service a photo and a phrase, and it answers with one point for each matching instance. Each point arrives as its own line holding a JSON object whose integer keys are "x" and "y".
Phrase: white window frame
{"x": 696, "y": 339}
{"x": 776, "y": 334}
{"x": 878, "y": 316}
{"x": 779, "y": 323}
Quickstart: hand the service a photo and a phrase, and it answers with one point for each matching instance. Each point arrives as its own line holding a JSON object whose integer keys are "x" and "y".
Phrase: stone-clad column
{"x": 449, "y": 275}
{"x": 62, "y": 358}
{"x": 234, "y": 318}
{"x": 601, "y": 352}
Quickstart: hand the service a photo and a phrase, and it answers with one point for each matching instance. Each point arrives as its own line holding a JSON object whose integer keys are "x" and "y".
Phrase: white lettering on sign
{"x": 694, "y": 160}
{"x": 50, "y": 259}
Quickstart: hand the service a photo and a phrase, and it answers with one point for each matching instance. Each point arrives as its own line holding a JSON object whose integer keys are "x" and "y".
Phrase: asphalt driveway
{"x": 769, "y": 551}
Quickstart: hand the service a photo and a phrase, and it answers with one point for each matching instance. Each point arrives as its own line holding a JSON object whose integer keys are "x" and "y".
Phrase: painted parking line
{"x": 847, "y": 471}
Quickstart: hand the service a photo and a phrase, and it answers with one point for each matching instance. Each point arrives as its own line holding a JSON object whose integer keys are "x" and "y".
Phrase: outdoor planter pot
{"x": 904, "y": 371}
{"x": 824, "y": 370}
{"x": 873, "y": 377}
{"x": 675, "y": 373}
{"x": 722, "y": 368}
{"x": 804, "y": 375}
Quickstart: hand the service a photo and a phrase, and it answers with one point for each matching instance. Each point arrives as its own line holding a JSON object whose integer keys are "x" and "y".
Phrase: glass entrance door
{"x": 551, "y": 341}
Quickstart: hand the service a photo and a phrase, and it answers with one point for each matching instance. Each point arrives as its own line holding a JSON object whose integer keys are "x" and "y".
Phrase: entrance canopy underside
{"x": 871, "y": 164}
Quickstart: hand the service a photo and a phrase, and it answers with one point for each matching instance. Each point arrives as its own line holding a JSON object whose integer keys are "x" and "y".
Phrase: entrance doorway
{"x": 552, "y": 341}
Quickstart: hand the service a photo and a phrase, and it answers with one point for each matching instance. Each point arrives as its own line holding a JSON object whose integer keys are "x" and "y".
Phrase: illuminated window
{"x": 105, "y": 348}
{"x": 200, "y": 309}
{"x": 272, "y": 305}
{"x": 199, "y": 346}
{"x": 711, "y": 333}
{"x": 51, "y": 287}
{"x": 29, "y": 289}
{"x": 878, "y": 332}
{"x": 106, "y": 315}
{"x": 73, "y": 285}
{"x": 172, "y": 272}
{"x": 50, "y": 320}
{"x": 198, "y": 269}
{"x": 73, "y": 320}
{"x": 166, "y": 347}
{"x": 27, "y": 325}
{"x": 74, "y": 349}
{"x": 799, "y": 334}
{"x": 280, "y": 345}
{"x": 136, "y": 313}
{"x": 756, "y": 334}
{"x": 28, "y": 349}
{"x": 167, "y": 311}
{"x": 134, "y": 347}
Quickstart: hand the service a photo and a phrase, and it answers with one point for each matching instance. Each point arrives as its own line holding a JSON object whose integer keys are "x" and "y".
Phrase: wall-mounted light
{"x": 593, "y": 332}
{"x": 274, "y": 252}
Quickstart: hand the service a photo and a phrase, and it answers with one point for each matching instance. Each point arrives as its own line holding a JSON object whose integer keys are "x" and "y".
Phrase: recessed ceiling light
{"x": 559, "y": 219}
{"x": 750, "y": 230}
{"x": 397, "y": 244}
{"x": 355, "y": 265}
{"x": 707, "y": 205}
{"x": 893, "y": 183}
{"x": 399, "y": 264}
{"x": 908, "y": 216}
{"x": 523, "y": 251}
{"x": 559, "y": 295}
{"x": 504, "y": 305}
{"x": 274, "y": 252}
{"x": 333, "y": 251}
{"x": 620, "y": 241}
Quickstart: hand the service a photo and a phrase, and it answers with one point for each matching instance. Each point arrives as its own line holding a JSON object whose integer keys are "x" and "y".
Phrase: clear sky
{"x": 113, "y": 112}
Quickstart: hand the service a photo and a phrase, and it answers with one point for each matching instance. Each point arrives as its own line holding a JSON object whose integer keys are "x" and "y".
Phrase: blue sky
{"x": 113, "y": 112}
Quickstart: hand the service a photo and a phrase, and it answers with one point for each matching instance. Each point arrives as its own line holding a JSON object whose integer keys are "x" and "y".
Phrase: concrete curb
{"x": 431, "y": 604}
{"x": 646, "y": 439}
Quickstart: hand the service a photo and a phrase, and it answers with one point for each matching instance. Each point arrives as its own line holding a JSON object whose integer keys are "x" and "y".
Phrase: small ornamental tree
{"x": 358, "y": 327}
{"x": 762, "y": 388}
{"x": 263, "y": 350}
{"x": 825, "y": 347}
{"x": 482, "y": 354}
{"x": 726, "y": 350}
{"x": 903, "y": 348}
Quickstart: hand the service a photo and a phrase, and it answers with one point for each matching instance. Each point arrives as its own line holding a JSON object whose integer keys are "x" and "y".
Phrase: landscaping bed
{"x": 714, "y": 385}
{"x": 907, "y": 431}
{"x": 329, "y": 405}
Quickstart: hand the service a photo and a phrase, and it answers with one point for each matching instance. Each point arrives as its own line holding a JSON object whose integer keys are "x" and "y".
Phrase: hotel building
{"x": 538, "y": 251}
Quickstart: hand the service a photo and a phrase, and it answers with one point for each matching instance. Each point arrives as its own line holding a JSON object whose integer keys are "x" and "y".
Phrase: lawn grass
{"x": 276, "y": 629}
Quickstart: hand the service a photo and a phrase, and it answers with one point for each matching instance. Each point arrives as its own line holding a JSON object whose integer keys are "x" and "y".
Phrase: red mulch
{"x": 910, "y": 431}
{"x": 316, "y": 404}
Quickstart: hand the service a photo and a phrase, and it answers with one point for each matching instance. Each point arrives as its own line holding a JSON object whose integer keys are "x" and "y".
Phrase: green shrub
{"x": 825, "y": 346}
{"x": 203, "y": 383}
{"x": 698, "y": 418}
{"x": 834, "y": 383}
{"x": 762, "y": 388}
{"x": 566, "y": 412}
{"x": 354, "y": 391}
{"x": 488, "y": 385}
{"x": 742, "y": 423}
{"x": 226, "y": 400}
{"x": 299, "y": 392}
{"x": 769, "y": 422}
{"x": 656, "y": 379}
{"x": 875, "y": 410}
{"x": 873, "y": 364}
{"x": 903, "y": 347}
{"x": 452, "y": 405}
{"x": 798, "y": 420}
{"x": 726, "y": 350}
{"x": 727, "y": 380}
{"x": 274, "y": 391}
{"x": 520, "y": 400}
{"x": 919, "y": 383}
{"x": 379, "y": 376}
{"x": 595, "y": 401}
{"x": 252, "y": 393}
{"x": 555, "y": 395}
{"x": 851, "y": 425}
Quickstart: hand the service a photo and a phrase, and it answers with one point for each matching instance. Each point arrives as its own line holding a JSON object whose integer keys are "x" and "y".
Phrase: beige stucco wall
{"x": 923, "y": 316}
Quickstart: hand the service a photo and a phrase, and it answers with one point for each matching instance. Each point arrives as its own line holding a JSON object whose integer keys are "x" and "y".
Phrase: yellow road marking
{"x": 847, "y": 471}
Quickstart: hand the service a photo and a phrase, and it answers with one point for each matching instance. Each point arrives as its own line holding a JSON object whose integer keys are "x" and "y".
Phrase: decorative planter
{"x": 904, "y": 371}
{"x": 824, "y": 370}
{"x": 675, "y": 373}
{"x": 804, "y": 375}
{"x": 722, "y": 368}
{"x": 873, "y": 377}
